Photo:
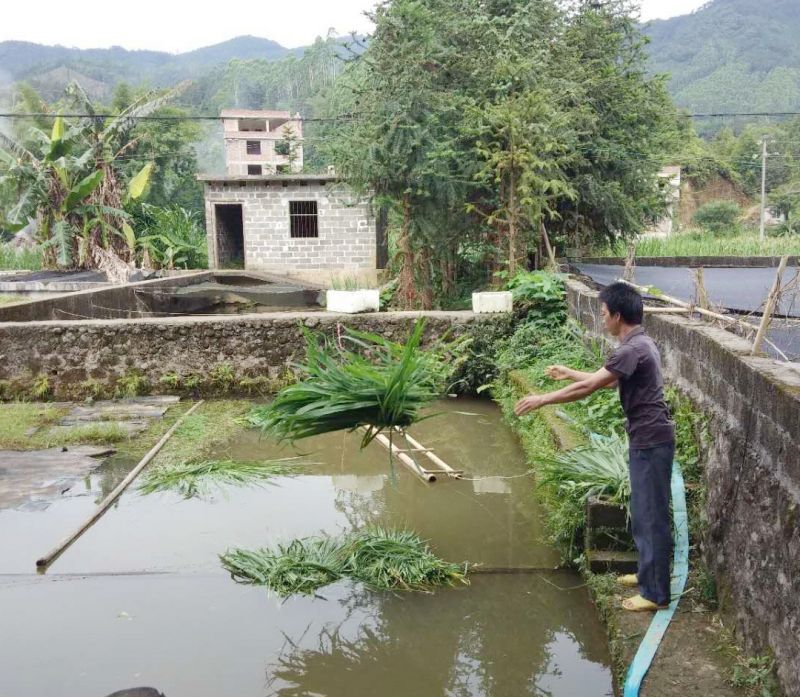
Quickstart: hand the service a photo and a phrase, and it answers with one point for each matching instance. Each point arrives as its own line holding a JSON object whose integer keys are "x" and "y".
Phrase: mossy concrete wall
{"x": 103, "y": 351}
{"x": 753, "y": 473}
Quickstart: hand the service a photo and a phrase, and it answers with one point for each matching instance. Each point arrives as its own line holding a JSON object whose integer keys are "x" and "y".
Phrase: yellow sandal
{"x": 639, "y": 604}
{"x": 630, "y": 580}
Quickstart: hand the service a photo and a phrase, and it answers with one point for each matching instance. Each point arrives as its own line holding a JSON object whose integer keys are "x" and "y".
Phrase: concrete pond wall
{"x": 753, "y": 473}
{"x": 103, "y": 351}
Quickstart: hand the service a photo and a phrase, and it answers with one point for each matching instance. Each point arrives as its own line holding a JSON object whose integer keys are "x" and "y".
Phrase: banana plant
{"x": 68, "y": 181}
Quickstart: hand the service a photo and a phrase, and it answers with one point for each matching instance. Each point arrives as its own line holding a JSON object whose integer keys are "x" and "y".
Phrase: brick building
{"x": 262, "y": 142}
{"x": 309, "y": 226}
{"x": 306, "y": 226}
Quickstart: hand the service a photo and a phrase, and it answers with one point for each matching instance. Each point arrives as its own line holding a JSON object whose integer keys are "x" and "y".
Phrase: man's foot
{"x": 630, "y": 580}
{"x": 639, "y": 604}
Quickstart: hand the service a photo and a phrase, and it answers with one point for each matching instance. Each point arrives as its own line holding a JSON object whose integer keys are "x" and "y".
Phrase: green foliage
{"x": 381, "y": 559}
{"x": 132, "y": 384}
{"x": 91, "y": 389}
{"x": 197, "y": 479}
{"x": 478, "y": 123}
{"x": 379, "y": 385}
{"x": 718, "y": 217}
{"x": 223, "y": 377}
{"x": 700, "y": 243}
{"x": 40, "y": 388}
{"x": 731, "y": 56}
{"x": 19, "y": 259}
{"x": 756, "y": 674}
{"x": 540, "y": 295}
{"x": 171, "y": 381}
{"x": 599, "y": 470}
{"x": 478, "y": 368}
{"x": 172, "y": 237}
{"x": 71, "y": 179}
{"x": 102, "y": 432}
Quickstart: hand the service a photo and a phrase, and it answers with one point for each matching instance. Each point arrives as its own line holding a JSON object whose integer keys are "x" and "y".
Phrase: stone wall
{"x": 753, "y": 473}
{"x": 346, "y": 245}
{"x": 69, "y": 353}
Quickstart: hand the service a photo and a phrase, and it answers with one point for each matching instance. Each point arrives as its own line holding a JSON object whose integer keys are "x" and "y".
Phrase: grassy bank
{"x": 697, "y": 635}
{"x": 700, "y": 244}
{"x": 19, "y": 259}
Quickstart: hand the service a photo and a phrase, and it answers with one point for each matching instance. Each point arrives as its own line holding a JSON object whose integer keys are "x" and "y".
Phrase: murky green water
{"x": 174, "y": 621}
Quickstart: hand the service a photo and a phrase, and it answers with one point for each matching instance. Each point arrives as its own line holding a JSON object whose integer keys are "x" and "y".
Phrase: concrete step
{"x": 602, "y": 561}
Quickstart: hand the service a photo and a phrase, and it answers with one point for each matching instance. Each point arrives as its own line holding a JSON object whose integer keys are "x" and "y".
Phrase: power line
{"x": 740, "y": 113}
{"x": 9, "y": 115}
{"x": 349, "y": 117}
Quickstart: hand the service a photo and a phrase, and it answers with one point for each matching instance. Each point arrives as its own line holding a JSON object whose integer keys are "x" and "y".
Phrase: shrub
{"x": 718, "y": 217}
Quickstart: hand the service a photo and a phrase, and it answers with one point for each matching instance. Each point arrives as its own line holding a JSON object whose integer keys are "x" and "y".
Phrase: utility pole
{"x": 762, "y": 232}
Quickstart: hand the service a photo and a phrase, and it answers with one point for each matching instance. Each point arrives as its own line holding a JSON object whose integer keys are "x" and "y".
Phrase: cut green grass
{"x": 381, "y": 559}
{"x": 599, "y": 469}
{"x": 379, "y": 385}
{"x": 202, "y": 478}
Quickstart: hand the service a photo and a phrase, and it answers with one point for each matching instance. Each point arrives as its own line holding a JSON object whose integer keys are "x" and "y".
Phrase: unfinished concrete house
{"x": 307, "y": 226}
{"x": 262, "y": 142}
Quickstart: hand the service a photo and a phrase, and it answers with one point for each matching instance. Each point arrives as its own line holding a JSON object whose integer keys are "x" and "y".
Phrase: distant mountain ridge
{"x": 727, "y": 56}
{"x": 20, "y": 60}
{"x": 731, "y": 56}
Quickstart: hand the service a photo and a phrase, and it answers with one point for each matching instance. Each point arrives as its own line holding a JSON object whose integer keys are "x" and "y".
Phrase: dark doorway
{"x": 230, "y": 235}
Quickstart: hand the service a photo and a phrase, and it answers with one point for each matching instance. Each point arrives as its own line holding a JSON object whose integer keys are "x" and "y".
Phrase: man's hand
{"x": 558, "y": 372}
{"x": 527, "y": 404}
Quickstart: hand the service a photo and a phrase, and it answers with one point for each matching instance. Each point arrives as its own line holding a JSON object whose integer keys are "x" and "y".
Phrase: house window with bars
{"x": 253, "y": 147}
{"x": 303, "y": 219}
{"x": 254, "y": 169}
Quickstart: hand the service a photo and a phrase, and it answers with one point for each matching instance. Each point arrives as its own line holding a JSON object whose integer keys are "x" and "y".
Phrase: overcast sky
{"x": 165, "y": 25}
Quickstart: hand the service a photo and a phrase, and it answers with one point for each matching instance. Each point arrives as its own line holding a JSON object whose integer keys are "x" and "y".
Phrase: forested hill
{"x": 731, "y": 55}
{"x": 52, "y": 66}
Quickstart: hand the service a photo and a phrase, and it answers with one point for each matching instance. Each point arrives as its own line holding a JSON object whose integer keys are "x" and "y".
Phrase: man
{"x": 636, "y": 368}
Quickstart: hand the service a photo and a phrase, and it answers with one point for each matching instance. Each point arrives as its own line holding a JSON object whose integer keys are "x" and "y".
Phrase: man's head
{"x": 621, "y": 306}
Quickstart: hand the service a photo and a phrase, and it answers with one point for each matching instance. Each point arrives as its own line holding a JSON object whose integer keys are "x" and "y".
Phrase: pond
{"x": 141, "y": 599}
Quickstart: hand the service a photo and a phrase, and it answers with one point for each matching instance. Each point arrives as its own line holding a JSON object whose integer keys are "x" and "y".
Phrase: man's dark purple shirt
{"x": 637, "y": 365}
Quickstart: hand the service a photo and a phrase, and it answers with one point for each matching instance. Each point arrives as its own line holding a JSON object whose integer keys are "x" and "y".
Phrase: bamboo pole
{"x": 772, "y": 301}
{"x": 412, "y": 466}
{"x": 700, "y": 289}
{"x": 630, "y": 262}
{"x": 706, "y": 313}
{"x": 45, "y": 561}
{"x": 667, "y": 310}
{"x": 434, "y": 458}
{"x": 550, "y": 254}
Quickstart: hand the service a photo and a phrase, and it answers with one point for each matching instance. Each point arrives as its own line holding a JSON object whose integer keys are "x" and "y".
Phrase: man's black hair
{"x": 625, "y": 300}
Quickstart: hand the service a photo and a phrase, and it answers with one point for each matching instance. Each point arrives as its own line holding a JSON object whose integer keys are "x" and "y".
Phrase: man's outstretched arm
{"x": 571, "y": 393}
{"x": 562, "y": 372}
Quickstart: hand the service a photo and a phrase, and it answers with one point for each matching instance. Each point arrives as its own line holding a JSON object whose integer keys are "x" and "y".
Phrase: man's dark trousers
{"x": 651, "y": 473}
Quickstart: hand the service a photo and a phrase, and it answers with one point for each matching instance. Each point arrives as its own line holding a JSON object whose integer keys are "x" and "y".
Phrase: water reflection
{"x": 502, "y": 636}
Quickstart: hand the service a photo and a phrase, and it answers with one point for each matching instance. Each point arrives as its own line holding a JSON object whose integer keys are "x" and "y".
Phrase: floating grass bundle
{"x": 599, "y": 469}
{"x": 380, "y": 385}
{"x": 197, "y": 479}
{"x": 381, "y": 559}
{"x": 398, "y": 560}
{"x": 298, "y": 568}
